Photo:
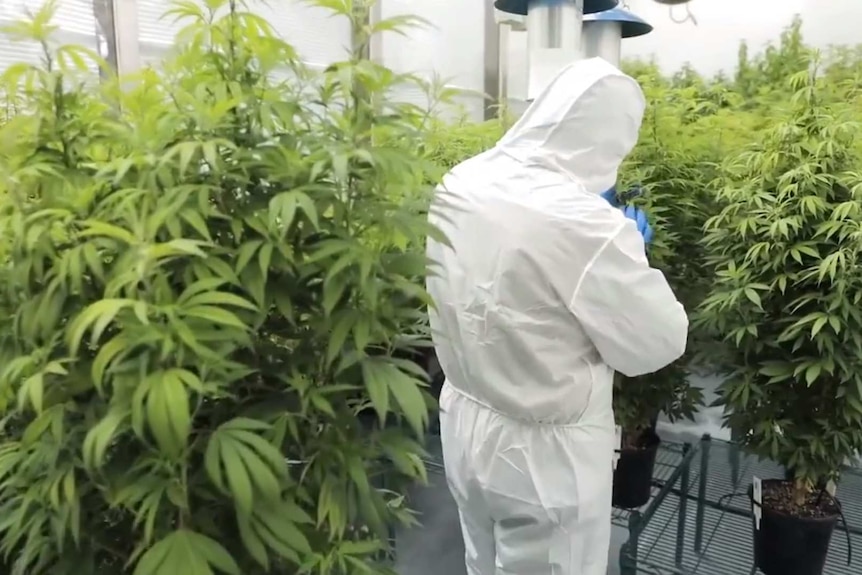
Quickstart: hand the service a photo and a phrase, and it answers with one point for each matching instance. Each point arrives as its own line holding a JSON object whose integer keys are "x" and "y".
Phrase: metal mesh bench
{"x": 713, "y": 508}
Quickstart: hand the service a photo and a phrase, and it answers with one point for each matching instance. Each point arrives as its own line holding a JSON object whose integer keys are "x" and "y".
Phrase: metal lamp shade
{"x": 603, "y": 33}
{"x": 520, "y": 7}
{"x": 630, "y": 25}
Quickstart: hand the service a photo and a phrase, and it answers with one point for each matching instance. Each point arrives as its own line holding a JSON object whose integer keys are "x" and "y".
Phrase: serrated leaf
{"x": 818, "y": 325}
{"x": 103, "y": 311}
{"x": 167, "y": 412}
{"x": 246, "y": 252}
{"x": 777, "y": 369}
{"x": 107, "y": 354}
{"x": 306, "y": 205}
{"x": 32, "y": 392}
{"x": 753, "y": 297}
{"x": 99, "y": 438}
{"x": 283, "y": 528}
{"x": 263, "y": 479}
{"x": 215, "y": 315}
{"x": 268, "y": 453}
{"x": 404, "y": 388}
{"x": 812, "y": 373}
{"x": 378, "y": 390}
{"x": 96, "y": 228}
{"x": 214, "y": 553}
{"x": 245, "y": 423}
{"x": 282, "y": 210}
{"x": 215, "y": 298}
{"x": 238, "y": 481}
{"x": 185, "y": 551}
{"x": 251, "y": 541}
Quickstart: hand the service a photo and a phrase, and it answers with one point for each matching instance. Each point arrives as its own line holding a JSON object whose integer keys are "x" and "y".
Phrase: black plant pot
{"x": 633, "y": 475}
{"x": 788, "y": 545}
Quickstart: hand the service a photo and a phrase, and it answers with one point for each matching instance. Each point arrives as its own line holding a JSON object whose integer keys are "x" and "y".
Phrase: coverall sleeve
{"x": 628, "y": 309}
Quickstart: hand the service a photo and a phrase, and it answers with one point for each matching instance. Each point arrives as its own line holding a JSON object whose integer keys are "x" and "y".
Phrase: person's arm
{"x": 628, "y": 309}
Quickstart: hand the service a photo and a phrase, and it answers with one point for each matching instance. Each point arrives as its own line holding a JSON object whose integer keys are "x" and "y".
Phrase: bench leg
{"x": 629, "y": 550}
{"x": 682, "y": 517}
{"x": 705, "y": 444}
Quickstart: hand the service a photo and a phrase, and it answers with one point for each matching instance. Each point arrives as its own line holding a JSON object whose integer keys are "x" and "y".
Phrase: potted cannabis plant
{"x": 786, "y": 301}
{"x": 673, "y": 182}
{"x": 638, "y": 402}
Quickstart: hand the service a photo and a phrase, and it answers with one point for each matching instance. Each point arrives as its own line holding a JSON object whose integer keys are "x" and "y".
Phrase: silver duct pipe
{"x": 553, "y": 39}
{"x": 555, "y": 24}
{"x": 603, "y": 40}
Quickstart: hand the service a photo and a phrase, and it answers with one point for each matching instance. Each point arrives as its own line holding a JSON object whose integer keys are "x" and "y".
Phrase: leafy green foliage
{"x": 787, "y": 287}
{"x": 676, "y": 181}
{"x": 692, "y": 125}
{"x": 208, "y": 279}
{"x": 449, "y": 144}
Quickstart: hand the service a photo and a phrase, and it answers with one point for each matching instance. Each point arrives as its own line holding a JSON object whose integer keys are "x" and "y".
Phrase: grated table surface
{"x": 727, "y": 533}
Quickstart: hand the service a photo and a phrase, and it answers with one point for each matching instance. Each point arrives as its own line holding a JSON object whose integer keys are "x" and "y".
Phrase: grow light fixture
{"x": 521, "y": 7}
{"x": 603, "y": 33}
{"x": 553, "y": 34}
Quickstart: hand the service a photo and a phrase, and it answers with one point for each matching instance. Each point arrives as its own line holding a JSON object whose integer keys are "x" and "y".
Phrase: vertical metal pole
{"x": 683, "y": 504}
{"x": 503, "y": 86}
{"x": 629, "y": 551}
{"x": 103, "y": 11}
{"x": 705, "y": 444}
{"x": 375, "y": 47}
{"x": 625, "y": 568}
{"x": 126, "y": 34}
{"x": 491, "y": 84}
{"x": 735, "y": 459}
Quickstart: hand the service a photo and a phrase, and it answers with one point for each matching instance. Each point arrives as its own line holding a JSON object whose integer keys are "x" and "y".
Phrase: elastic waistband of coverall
{"x": 604, "y": 419}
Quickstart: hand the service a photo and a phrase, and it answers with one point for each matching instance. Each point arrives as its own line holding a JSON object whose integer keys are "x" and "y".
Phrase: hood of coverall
{"x": 583, "y": 124}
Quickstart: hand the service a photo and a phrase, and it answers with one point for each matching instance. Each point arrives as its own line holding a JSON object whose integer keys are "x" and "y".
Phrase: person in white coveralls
{"x": 542, "y": 293}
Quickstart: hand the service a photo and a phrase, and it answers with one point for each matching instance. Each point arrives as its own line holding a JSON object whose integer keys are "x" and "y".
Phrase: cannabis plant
{"x": 448, "y": 144}
{"x": 208, "y": 274}
{"x": 676, "y": 195}
{"x": 787, "y": 290}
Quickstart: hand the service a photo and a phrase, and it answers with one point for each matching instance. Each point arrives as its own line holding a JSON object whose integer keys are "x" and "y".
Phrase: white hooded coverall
{"x": 544, "y": 292}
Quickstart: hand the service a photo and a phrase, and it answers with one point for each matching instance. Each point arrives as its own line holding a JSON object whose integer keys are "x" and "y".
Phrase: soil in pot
{"x": 633, "y": 475}
{"x": 793, "y": 539}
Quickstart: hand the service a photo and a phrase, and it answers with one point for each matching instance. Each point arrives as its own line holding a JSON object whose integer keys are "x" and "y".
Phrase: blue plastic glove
{"x": 640, "y": 219}
{"x": 636, "y": 214}
{"x": 610, "y": 196}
